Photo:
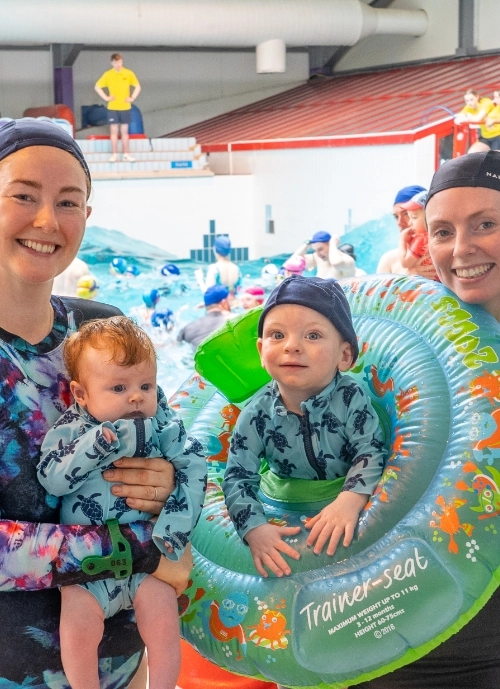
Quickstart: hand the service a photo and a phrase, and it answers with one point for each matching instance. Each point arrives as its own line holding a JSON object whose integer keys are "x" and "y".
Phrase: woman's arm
{"x": 481, "y": 113}
{"x": 39, "y": 556}
{"x": 493, "y": 117}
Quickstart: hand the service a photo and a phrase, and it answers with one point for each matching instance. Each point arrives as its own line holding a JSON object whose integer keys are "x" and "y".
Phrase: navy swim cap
{"x": 324, "y": 296}
{"x": 18, "y": 134}
{"x": 471, "y": 170}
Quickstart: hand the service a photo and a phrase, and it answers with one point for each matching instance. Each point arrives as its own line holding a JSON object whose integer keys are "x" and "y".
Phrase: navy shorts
{"x": 493, "y": 143}
{"x": 119, "y": 116}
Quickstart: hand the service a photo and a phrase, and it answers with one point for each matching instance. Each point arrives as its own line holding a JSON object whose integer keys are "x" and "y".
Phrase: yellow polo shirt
{"x": 118, "y": 85}
{"x": 487, "y": 105}
{"x": 494, "y": 130}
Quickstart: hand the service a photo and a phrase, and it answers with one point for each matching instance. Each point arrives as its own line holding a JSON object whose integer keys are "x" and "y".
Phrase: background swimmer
{"x": 251, "y": 297}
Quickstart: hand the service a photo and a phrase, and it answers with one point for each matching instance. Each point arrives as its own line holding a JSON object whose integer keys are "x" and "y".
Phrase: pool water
{"x": 180, "y": 294}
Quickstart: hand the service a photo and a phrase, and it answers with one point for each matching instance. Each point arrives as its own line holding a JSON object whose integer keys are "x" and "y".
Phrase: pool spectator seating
{"x": 164, "y": 157}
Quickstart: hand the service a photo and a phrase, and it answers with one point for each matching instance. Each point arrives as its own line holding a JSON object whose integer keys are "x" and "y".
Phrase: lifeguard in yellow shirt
{"x": 118, "y": 81}
{"x": 478, "y": 110}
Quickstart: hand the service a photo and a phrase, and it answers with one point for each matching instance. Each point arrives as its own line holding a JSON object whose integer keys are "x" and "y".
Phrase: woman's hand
{"x": 176, "y": 573}
{"x": 145, "y": 483}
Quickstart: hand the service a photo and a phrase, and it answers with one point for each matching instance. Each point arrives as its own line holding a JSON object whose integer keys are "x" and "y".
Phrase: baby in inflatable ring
{"x": 306, "y": 339}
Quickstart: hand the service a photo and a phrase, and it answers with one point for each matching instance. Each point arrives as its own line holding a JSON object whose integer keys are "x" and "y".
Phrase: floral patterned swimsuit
{"x": 36, "y": 553}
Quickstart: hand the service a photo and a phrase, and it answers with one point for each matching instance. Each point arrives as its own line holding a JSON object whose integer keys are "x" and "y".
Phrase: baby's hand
{"x": 425, "y": 267}
{"x": 176, "y": 573}
{"x": 339, "y": 517}
{"x": 266, "y": 542}
{"x": 408, "y": 260}
{"x": 108, "y": 434}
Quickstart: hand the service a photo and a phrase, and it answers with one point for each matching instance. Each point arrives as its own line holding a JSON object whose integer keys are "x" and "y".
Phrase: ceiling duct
{"x": 204, "y": 23}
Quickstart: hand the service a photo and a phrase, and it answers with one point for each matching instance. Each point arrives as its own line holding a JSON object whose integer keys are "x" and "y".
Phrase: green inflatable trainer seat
{"x": 229, "y": 359}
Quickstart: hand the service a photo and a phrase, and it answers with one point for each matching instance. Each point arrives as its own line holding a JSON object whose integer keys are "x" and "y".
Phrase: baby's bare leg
{"x": 156, "y": 612}
{"x": 81, "y": 629}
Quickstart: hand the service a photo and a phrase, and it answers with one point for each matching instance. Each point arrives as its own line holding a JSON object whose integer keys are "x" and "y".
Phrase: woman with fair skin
{"x": 44, "y": 188}
{"x": 463, "y": 221}
{"x": 477, "y": 110}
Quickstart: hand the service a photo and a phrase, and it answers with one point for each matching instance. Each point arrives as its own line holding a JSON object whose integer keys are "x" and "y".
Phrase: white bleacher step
{"x": 142, "y": 145}
{"x": 144, "y": 156}
{"x": 148, "y": 166}
{"x": 151, "y": 174}
{"x": 171, "y": 144}
{"x": 104, "y": 145}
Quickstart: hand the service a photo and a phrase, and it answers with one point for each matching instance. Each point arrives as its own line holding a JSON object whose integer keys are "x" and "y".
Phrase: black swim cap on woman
{"x": 18, "y": 134}
{"x": 471, "y": 170}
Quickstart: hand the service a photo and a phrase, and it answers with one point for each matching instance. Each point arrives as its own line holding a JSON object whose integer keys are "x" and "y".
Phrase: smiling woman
{"x": 42, "y": 221}
{"x": 463, "y": 219}
{"x": 464, "y": 232}
{"x": 44, "y": 187}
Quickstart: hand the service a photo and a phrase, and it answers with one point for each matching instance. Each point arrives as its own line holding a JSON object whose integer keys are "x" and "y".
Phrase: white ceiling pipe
{"x": 201, "y": 23}
{"x": 271, "y": 57}
{"x": 377, "y": 21}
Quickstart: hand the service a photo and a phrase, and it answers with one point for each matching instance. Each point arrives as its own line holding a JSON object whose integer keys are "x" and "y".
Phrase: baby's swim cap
{"x": 324, "y": 296}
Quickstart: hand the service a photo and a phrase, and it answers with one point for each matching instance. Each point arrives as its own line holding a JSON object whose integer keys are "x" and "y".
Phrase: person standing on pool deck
{"x": 463, "y": 221}
{"x": 477, "y": 110}
{"x": 118, "y": 80}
